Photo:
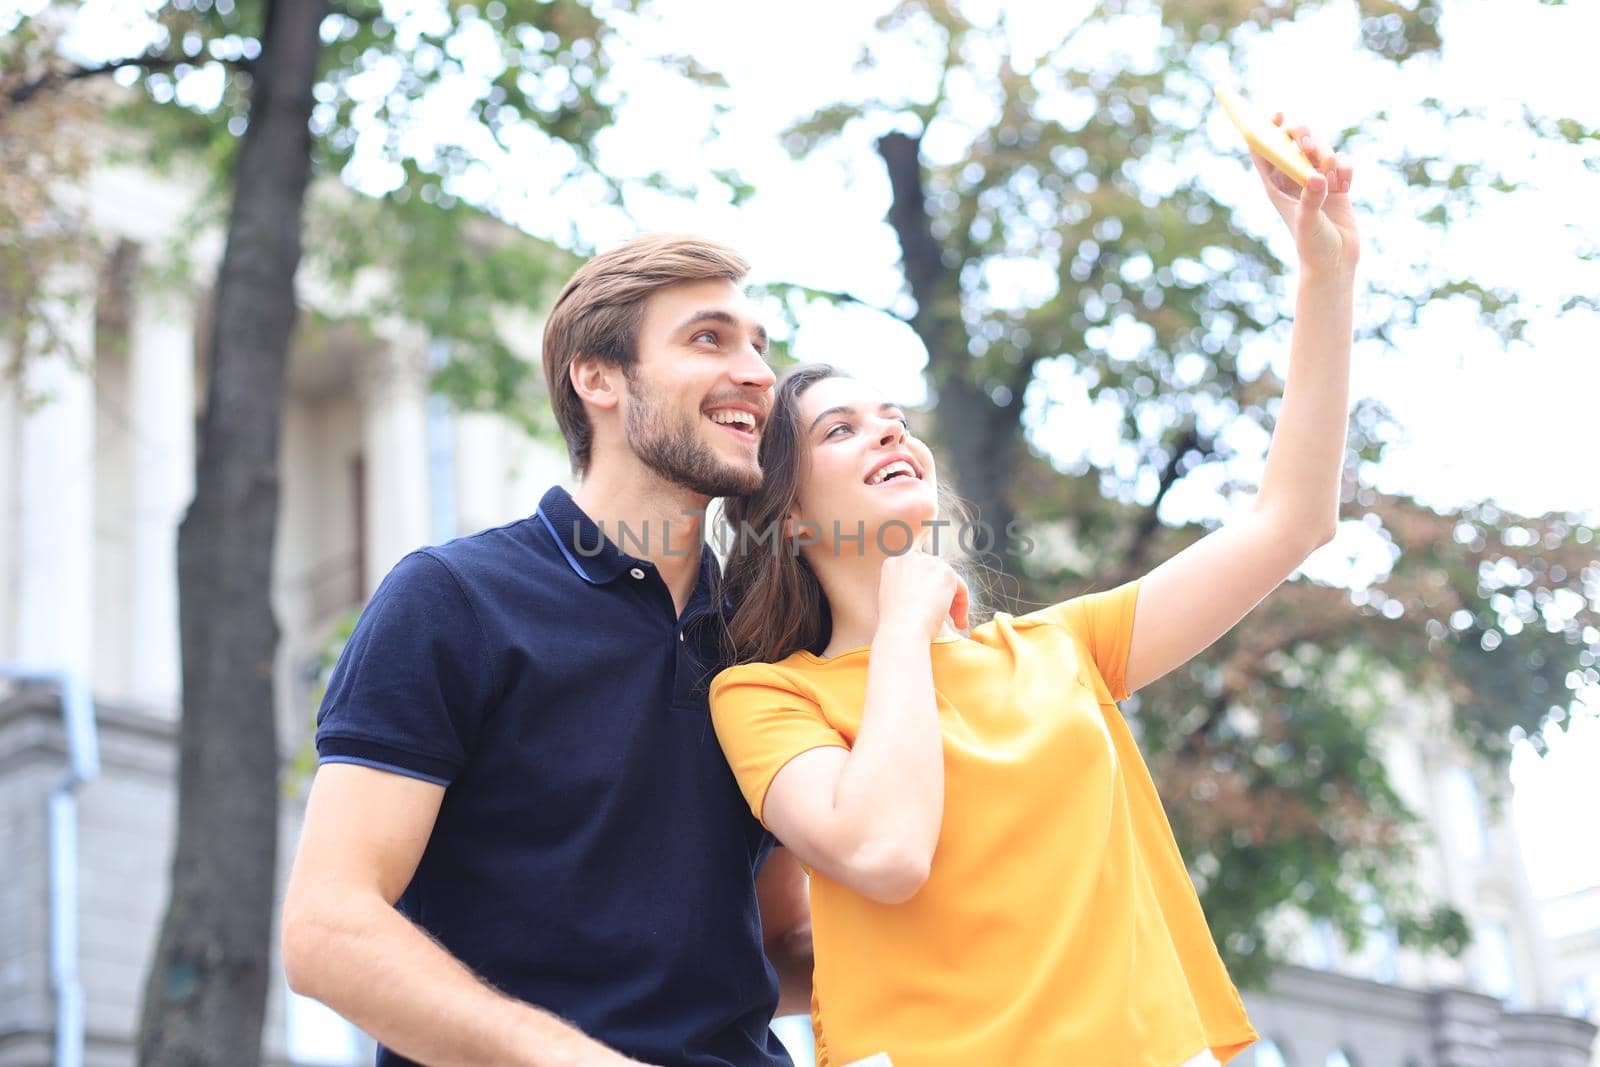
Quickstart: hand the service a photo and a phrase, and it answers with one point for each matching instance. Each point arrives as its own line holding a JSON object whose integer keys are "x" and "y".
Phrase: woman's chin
{"x": 894, "y": 528}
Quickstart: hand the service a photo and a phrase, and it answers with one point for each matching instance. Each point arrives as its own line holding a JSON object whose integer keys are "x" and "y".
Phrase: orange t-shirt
{"x": 1058, "y": 924}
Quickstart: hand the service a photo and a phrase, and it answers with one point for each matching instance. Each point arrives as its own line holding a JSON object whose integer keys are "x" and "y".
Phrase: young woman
{"x": 993, "y": 879}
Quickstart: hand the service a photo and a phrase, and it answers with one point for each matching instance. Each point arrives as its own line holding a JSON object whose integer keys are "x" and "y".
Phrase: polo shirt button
{"x": 637, "y": 572}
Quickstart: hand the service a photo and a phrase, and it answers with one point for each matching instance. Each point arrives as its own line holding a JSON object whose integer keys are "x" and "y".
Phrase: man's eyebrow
{"x": 846, "y": 409}
{"x": 725, "y": 318}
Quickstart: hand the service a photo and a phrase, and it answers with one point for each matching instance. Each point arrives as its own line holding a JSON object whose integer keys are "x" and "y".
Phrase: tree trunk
{"x": 205, "y": 995}
{"x": 982, "y": 437}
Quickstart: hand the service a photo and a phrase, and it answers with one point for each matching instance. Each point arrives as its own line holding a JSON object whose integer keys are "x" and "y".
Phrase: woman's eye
{"x": 835, "y": 429}
{"x": 903, "y": 421}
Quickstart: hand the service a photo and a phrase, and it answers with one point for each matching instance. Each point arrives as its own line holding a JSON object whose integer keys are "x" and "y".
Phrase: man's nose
{"x": 753, "y": 372}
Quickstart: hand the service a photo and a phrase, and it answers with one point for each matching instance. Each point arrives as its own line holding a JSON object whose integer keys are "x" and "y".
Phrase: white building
{"x": 93, "y": 484}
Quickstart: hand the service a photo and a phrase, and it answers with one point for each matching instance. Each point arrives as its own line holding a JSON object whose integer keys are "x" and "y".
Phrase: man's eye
{"x": 705, "y": 335}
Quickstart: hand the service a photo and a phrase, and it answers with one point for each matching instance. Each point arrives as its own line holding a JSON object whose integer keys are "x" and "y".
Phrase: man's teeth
{"x": 735, "y": 418}
{"x": 899, "y": 466}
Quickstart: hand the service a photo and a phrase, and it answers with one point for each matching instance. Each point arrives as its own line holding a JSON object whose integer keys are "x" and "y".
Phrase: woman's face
{"x": 861, "y": 471}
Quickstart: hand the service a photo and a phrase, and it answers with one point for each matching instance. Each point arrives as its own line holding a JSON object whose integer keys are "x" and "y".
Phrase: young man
{"x": 523, "y": 845}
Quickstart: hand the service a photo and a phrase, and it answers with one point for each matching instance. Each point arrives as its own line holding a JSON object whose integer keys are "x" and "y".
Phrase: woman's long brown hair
{"x": 779, "y": 607}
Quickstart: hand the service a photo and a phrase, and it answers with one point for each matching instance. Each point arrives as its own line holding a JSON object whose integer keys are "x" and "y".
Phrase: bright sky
{"x": 1479, "y": 421}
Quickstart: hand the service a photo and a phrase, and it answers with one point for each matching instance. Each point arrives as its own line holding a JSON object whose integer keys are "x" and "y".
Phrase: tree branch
{"x": 1194, "y": 744}
{"x": 365, "y": 18}
{"x": 1144, "y": 532}
{"x": 840, "y": 297}
{"x": 149, "y": 62}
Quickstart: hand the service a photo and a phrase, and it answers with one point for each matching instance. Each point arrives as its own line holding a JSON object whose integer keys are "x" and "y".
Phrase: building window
{"x": 317, "y": 1035}
{"x": 1270, "y": 1054}
{"x": 1494, "y": 961}
{"x": 358, "y": 503}
{"x": 1319, "y": 946}
{"x": 1386, "y": 968}
{"x": 117, "y": 448}
{"x": 441, "y": 454}
{"x": 1578, "y": 996}
{"x": 1464, "y": 819}
{"x": 795, "y": 1033}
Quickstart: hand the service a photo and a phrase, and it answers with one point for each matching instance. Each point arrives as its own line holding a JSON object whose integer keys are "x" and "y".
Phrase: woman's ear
{"x": 595, "y": 382}
{"x": 798, "y": 532}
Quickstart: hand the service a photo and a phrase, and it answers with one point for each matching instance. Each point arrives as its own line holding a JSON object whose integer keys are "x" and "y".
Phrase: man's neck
{"x": 649, "y": 518}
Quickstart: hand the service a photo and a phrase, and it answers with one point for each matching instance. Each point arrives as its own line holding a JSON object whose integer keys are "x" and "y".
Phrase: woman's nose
{"x": 893, "y": 433}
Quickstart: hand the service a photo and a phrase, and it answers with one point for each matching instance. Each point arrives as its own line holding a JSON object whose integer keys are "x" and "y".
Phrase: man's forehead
{"x": 673, "y": 304}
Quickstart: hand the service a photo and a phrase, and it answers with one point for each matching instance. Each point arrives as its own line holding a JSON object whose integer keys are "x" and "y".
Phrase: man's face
{"x": 698, "y": 397}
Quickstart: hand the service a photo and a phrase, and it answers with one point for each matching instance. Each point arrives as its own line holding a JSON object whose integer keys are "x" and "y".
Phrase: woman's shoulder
{"x": 792, "y": 673}
{"x": 1081, "y": 613}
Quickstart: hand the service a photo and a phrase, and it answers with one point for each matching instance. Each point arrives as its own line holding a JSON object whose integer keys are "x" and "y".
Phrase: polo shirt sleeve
{"x": 1103, "y": 623}
{"x": 762, "y": 723}
{"x": 409, "y": 691}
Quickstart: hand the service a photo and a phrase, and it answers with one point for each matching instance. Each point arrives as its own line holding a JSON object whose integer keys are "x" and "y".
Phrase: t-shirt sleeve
{"x": 1103, "y": 623}
{"x": 410, "y": 690}
{"x": 762, "y": 724}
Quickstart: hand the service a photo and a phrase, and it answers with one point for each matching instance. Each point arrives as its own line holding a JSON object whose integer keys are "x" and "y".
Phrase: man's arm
{"x": 784, "y": 894}
{"x": 346, "y": 945}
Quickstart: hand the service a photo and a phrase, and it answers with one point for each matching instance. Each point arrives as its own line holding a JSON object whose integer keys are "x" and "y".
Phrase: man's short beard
{"x": 673, "y": 449}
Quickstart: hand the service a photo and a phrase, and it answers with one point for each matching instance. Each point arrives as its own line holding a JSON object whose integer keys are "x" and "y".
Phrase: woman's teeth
{"x": 890, "y": 470}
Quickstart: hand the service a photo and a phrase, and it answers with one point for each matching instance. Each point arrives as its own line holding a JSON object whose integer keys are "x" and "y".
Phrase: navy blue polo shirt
{"x": 592, "y": 855}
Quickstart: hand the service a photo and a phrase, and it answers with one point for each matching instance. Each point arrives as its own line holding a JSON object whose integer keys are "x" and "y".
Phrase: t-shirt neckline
{"x": 814, "y": 658}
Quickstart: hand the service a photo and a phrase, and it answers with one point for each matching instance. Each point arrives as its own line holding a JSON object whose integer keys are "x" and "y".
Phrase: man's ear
{"x": 595, "y": 381}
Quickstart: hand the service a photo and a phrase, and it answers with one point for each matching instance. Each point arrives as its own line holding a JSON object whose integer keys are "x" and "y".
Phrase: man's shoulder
{"x": 478, "y": 567}
{"x": 514, "y": 545}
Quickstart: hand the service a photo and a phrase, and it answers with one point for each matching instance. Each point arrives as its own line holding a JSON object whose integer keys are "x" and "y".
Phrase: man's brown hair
{"x": 599, "y": 311}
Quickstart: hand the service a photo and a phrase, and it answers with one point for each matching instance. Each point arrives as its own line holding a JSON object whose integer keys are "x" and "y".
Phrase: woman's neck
{"x": 850, "y": 582}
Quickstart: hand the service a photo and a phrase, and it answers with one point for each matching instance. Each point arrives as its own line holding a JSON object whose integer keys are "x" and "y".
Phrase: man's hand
{"x": 784, "y": 894}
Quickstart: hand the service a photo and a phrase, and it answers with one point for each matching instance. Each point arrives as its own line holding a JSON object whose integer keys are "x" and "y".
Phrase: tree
{"x": 1086, "y": 161}
{"x": 206, "y": 994}
{"x": 43, "y": 234}
{"x": 292, "y": 106}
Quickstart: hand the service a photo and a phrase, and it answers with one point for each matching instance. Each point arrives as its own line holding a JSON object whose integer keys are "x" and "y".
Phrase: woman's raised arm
{"x": 1197, "y": 596}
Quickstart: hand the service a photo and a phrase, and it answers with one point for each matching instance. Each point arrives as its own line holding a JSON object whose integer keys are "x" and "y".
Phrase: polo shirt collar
{"x": 592, "y": 555}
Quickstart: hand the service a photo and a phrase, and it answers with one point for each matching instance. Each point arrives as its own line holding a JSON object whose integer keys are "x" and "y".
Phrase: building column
{"x": 397, "y": 508}
{"x": 162, "y": 372}
{"x": 55, "y": 499}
